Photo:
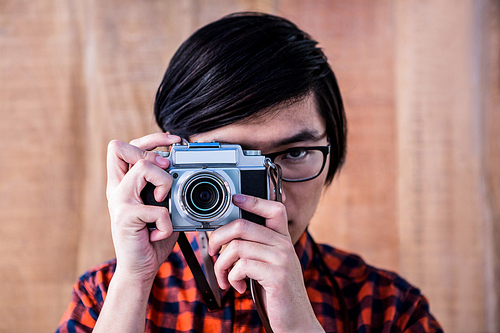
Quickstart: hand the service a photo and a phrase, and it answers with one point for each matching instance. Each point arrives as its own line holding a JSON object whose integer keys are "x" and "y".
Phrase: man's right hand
{"x": 139, "y": 251}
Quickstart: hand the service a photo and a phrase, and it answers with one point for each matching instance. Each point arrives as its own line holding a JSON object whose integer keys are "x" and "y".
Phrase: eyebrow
{"x": 304, "y": 135}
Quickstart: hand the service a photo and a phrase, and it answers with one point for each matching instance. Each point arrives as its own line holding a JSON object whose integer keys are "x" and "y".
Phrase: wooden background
{"x": 419, "y": 194}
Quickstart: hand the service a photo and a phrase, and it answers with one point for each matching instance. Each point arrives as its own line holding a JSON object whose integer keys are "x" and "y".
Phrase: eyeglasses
{"x": 299, "y": 164}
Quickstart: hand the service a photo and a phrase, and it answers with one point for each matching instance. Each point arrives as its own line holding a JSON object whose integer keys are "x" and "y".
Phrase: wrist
{"x": 308, "y": 322}
{"x": 125, "y": 305}
{"x": 139, "y": 283}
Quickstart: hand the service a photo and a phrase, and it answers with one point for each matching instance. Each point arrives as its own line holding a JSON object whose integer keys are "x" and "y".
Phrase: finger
{"x": 237, "y": 280}
{"x": 245, "y": 230}
{"x": 161, "y": 217}
{"x": 238, "y": 249}
{"x": 136, "y": 217}
{"x": 142, "y": 172}
{"x": 155, "y": 140}
{"x": 253, "y": 269}
{"x": 130, "y": 154}
{"x": 274, "y": 212}
{"x": 122, "y": 155}
{"x": 155, "y": 214}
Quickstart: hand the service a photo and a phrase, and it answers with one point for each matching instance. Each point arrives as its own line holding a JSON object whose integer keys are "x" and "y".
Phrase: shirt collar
{"x": 304, "y": 250}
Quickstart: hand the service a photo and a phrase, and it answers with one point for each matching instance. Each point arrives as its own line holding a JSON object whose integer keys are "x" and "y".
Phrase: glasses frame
{"x": 324, "y": 149}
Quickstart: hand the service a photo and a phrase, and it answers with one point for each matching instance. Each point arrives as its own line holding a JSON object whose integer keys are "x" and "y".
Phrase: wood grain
{"x": 443, "y": 227}
{"x": 40, "y": 166}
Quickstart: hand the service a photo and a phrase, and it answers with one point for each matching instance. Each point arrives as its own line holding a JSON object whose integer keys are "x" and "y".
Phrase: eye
{"x": 294, "y": 155}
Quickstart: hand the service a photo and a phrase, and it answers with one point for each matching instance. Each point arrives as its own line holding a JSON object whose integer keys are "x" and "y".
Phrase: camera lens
{"x": 205, "y": 196}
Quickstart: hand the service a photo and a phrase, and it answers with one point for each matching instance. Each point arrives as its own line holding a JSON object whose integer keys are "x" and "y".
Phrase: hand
{"x": 139, "y": 252}
{"x": 267, "y": 255}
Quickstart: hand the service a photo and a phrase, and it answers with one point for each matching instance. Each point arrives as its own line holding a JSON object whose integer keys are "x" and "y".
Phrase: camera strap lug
{"x": 274, "y": 172}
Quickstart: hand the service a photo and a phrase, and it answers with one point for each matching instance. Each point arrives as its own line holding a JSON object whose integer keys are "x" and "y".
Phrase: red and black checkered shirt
{"x": 377, "y": 300}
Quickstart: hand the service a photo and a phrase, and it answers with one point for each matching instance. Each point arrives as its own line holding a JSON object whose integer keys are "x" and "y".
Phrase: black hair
{"x": 243, "y": 66}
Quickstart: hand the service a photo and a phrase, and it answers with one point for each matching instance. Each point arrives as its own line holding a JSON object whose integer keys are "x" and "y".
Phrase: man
{"x": 258, "y": 81}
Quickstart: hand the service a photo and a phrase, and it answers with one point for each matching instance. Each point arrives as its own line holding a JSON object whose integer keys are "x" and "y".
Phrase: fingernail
{"x": 161, "y": 160}
{"x": 173, "y": 137}
{"x": 239, "y": 198}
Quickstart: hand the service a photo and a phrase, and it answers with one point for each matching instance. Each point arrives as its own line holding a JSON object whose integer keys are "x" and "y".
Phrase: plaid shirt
{"x": 378, "y": 301}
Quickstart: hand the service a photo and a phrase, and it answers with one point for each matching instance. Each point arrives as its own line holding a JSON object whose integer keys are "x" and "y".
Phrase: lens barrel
{"x": 205, "y": 196}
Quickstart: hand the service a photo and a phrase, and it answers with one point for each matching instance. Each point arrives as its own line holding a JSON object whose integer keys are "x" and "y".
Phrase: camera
{"x": 205, "y": 177}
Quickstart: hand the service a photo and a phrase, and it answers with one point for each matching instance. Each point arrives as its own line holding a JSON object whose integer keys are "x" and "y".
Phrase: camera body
{"x": 205, "y": 177}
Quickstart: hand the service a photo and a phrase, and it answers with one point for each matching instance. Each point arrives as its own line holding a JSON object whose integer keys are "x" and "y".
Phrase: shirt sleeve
{"x": 416, "y": 316}
{"x": 87, "y": 300}
{"x": 82, "y": 312}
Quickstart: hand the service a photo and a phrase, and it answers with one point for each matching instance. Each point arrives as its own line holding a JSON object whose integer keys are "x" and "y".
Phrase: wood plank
{"x": 440, "y": 208}
{"x": 490, "y": 98}
{"x": 40, "y": 165}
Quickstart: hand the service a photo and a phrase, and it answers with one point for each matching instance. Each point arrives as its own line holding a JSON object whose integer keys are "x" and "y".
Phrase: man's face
{"x": 298, "y": 125}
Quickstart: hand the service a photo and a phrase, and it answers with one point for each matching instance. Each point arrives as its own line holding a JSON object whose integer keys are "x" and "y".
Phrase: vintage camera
{"x": 205, "y": 177}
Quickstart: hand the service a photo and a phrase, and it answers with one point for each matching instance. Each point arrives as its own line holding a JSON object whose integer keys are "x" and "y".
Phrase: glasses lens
{"x": 300, "y": 164}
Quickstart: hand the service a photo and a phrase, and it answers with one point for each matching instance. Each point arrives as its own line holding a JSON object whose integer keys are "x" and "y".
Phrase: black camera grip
{"x": 254, "y": 183}
{"x": 148, "y": 198}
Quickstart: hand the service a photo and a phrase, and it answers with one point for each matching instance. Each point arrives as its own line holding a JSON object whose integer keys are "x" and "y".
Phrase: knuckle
{"x": 253, "y": 201}
{"x": 282, "y": 256}
{"x": 166, "y": 213}
{"x": 213, "y": 239}
{"x": 280, "y": 209}
{"x": 142, "y": 164}
{"x": 163, "y": 211}
{"x": 241, "y": 225}
{"x": 235, "y": 245}
{"x": 114, "y": 145}
{"x": 242, "y": 264}
{"x": 231, "y": 277}
{"x": 219, "y": 268}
